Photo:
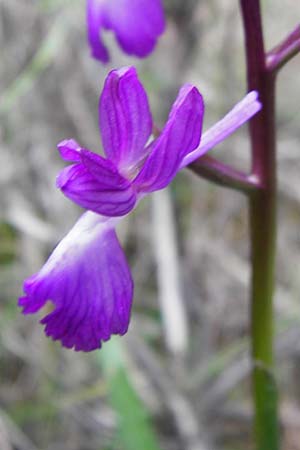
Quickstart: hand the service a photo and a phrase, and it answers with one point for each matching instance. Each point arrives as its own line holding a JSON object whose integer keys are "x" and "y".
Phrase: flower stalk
{"x": 224, "y": 175}
{"x": 279, "y": 56}
{"x": 262, "y": 209}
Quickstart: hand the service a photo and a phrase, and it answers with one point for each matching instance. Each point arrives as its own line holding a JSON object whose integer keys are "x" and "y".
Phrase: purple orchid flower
{"x": 87, "y": 277}
{"x": 136, "y": 23}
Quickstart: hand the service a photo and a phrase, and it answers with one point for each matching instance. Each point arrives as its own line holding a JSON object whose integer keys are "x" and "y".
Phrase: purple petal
{"x": 69, "y": 150}
{"x": 88, "y": 280}
{"x": 96, "y": 185}
{"x": 103, "y": 170}
{"x": 94, "y": 17}
{"x": 241, "y": 113}
{"x": 124, "y": 118}
{"x": 180, "y": 136}
{"x": 136, "y": 23}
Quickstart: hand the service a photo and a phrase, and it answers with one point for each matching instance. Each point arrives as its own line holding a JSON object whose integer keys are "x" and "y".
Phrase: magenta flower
{"x": 87, "y": 277}
{"x": 136, "y": 23}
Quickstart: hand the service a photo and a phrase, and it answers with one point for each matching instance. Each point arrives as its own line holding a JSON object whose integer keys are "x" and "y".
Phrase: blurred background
{"x": 180, "y": 378}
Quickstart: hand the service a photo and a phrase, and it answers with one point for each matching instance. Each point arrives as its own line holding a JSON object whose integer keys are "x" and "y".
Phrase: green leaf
{"x": 135, "y": 431}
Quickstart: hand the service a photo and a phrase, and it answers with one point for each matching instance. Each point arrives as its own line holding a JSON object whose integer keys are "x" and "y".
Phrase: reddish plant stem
{"x": 262, "y": 207}
{"x": 224, "y": 175}
{"x": 284, "y": 52}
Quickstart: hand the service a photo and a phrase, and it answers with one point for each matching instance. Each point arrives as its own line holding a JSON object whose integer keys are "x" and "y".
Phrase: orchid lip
{"x": 135, "y": 37}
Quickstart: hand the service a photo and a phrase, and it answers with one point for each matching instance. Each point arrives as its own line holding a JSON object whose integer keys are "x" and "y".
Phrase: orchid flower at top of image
{"x": 87, "y": 277}
{"x": 137, "y": 24}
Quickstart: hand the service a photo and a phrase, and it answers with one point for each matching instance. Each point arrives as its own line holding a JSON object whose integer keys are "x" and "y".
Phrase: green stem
{"x": 263, "y": 235}
{"x": 262, "y": 206}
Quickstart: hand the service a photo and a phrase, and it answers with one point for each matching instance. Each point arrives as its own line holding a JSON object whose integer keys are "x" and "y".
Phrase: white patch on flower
{"x": 88, "y": 228}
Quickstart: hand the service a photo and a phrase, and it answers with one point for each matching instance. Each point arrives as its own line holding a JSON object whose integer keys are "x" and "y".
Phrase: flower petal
{"x": 88, "y": 280}
{"x": 124, "y": 118}
{"x": 94, "y": 17}
{"x": 240, "y": 114}
{"x": 95, "y": 184}
{"x": 136, "y": 23}
{"x": 69, "y": 150}
{"x": 103, "y": 170}
{"x": 180, "y": 136}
